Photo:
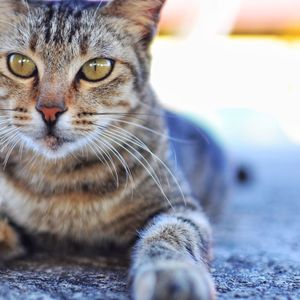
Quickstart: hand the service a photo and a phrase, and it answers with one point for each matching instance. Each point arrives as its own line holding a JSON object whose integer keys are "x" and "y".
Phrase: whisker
{"x": 148, "y": 169}
{"x": 125, "y": 114}
{"x": 21, "y": 149}
{"x": 131, "y": 138}
{"x": 120, "y": 158}
{"x": 166, "y": 136}
{"x": 160, "y": 114}
{"x": 99, "y": 6}
{"x": 136, "y": 141}
{"x": 15, "y": 139}
{"x": 30, "y": 163}
{"x": 125, "y": 143}
{"x": 4, "y": 133}
{"x": 114, "y": 173}
{"x": 8, "y": 109}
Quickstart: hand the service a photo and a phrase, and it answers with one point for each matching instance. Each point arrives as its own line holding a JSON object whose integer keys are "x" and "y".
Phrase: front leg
{"x": 170, "y": 261}
{"x": 10, "y": 243}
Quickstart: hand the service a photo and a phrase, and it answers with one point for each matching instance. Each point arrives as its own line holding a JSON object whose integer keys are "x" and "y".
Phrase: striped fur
{"x": 104, "y": 177}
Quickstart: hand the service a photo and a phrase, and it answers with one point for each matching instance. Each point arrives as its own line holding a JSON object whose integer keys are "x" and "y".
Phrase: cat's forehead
{"x": 70, "y": 25}
{"x": 69, "y": 31}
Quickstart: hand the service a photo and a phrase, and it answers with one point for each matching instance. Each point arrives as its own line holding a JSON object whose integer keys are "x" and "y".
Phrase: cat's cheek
{"x": 64, "y": 123}
{"x": 36, "y": 127}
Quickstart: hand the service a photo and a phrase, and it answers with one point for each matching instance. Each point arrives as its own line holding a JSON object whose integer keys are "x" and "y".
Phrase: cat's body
{"x": 88, "y": 161}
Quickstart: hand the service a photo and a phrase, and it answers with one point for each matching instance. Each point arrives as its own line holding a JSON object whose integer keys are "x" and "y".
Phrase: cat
{"x": 85, "y": 148}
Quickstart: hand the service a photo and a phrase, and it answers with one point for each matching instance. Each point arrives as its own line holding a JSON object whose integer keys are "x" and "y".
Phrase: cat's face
{"x": 67, "y": 71}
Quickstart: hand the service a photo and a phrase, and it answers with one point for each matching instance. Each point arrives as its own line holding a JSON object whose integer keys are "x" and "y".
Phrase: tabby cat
{"x": 85, "y": 147}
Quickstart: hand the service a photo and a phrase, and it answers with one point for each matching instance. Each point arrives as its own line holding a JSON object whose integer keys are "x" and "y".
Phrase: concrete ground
{"x": 257, "y": 246}
{"x": 257, "y": 253}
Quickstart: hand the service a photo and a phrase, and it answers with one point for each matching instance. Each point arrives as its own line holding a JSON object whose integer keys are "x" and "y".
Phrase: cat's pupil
{"x": 95, "y": 66}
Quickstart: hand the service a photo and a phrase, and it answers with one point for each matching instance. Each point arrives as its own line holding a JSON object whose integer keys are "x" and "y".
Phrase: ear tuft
{"x": 11, "y": 10}
{"x": 13, "y": 6}
{"x": 144, "y": 14}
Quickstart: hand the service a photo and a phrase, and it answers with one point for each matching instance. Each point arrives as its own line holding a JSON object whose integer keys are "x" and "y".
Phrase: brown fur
{"x": 10, "y": 244}
{"x": 102, "y": 176}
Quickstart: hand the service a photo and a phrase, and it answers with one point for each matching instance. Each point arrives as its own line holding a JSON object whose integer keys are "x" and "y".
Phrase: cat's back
{"x": 201, "y": 159}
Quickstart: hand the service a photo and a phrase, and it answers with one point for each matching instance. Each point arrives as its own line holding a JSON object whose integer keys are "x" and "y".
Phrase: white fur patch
{"x": 3, "y": 92}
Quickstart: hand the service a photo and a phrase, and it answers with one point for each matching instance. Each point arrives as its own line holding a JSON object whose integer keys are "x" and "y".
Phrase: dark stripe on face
{"x": 84, "y": 45}
{"x": 76, "y": 25}
{"x": 48, "y": 21}
{"x": 33, "y": 42}
{"x": 63, "y": 15}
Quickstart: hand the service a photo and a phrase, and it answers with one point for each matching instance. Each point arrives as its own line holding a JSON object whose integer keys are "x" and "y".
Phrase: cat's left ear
{"x": 11, "y": 10}
{"x": 143, "y": 14}
{"x": 13, "y": 6}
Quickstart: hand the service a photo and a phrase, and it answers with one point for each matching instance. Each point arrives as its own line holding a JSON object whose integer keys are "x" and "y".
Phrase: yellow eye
{"x": 97, "y": 69}
{"x": 21, "y": 65}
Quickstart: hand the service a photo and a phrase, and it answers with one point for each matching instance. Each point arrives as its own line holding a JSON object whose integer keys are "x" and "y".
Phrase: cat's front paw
{"x": 173, "y": 281}
{"x": 10, "y": 245}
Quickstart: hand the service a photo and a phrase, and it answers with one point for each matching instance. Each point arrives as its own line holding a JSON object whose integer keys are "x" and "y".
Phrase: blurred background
{"x": 234, "y": 67}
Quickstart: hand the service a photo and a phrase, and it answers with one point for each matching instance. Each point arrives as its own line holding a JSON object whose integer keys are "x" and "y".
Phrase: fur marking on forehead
{"x": 70, "y": 3}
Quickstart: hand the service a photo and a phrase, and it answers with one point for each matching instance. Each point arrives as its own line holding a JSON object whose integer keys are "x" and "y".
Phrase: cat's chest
{"x": 78, "y": 216}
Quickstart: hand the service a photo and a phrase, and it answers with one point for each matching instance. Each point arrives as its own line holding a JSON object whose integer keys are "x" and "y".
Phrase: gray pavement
{"x": 257, "y": 253}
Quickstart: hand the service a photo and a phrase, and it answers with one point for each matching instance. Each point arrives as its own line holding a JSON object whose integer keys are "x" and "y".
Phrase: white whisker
{"x": 104, "y": 154}
{"x": 136, "y": 141}
{"x": 148, "y": 169}
{"x": 15, "y": 140}
{"x": 120, "y": 158}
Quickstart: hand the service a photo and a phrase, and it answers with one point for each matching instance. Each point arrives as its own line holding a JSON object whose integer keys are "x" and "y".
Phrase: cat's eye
{"x": 97, "y": 69}
{"x": 21, "y": 65}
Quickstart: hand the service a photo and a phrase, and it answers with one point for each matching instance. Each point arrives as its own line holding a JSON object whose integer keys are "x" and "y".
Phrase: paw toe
{"x": 182, "y": 283}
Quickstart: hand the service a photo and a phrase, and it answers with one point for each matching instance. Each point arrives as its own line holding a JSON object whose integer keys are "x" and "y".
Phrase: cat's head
{"x": 69, "y": 68}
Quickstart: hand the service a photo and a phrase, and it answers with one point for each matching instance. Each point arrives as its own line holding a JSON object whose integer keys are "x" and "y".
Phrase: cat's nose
{"x": 50, "y": 114}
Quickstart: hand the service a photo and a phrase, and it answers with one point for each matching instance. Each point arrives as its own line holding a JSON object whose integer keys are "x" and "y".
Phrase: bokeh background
{"x": 234, "y": 67}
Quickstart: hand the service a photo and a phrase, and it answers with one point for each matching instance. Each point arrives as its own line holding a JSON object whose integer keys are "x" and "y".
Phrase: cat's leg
{"x": 170, "y": 261}
{"x": 10, "y": 242}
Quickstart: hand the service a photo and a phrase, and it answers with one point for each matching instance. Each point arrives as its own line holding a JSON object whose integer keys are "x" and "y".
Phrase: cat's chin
{"x": 53, "y": 143}
{"x": 51, "y": 147}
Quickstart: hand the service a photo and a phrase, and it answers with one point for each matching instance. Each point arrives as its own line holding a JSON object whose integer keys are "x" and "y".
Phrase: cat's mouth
{"x": 54, "y": 142}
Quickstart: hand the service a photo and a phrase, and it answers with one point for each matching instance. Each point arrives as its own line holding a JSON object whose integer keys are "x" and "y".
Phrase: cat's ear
{"x": 13, "y": 6}
{"x": 144, "y": 14}
{"x": 11, "y": 10}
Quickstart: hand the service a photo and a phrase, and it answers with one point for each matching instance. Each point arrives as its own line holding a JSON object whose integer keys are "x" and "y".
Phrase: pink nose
{"x": 50, "y": 114}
